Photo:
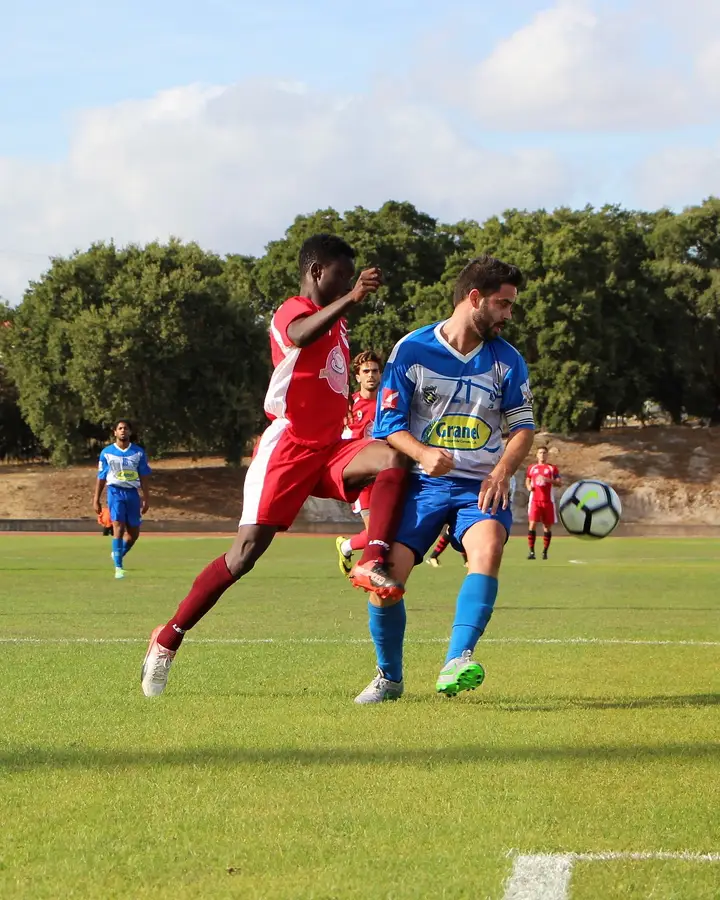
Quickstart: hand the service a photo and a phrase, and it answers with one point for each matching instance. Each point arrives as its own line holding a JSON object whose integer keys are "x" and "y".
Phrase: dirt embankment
{"x": 663, "y": 474}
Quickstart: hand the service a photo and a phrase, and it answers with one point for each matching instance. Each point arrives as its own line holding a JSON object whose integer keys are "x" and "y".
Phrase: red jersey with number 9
{"x": 361, "y": 418}
{"x": 309, "y": 386}
{"x": 541, "y": 477}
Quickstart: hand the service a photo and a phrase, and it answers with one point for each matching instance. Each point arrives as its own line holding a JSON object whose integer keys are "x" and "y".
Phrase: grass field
{"x": 256, "y": 776}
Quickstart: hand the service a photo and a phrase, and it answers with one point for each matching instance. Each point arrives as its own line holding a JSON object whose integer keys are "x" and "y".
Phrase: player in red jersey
{"x": 359, "y": 426}
{"x": 540, "y": 480}
{"x": 302, "y": 454}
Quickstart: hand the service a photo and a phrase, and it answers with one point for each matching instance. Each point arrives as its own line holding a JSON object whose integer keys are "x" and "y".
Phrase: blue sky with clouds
{"x": 219, "y": 122}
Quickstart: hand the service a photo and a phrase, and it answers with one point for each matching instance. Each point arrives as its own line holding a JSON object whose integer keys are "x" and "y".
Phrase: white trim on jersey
{"x": 276, "y": 396}
{"x": 257, "y": 470}
{"x": 464, "y": 358}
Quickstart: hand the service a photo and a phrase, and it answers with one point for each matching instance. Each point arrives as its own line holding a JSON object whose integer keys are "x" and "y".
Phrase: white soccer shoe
{"x": 119, "y": 572}
{"x": 381, "y": 689}
{"x": 156, "y": 666}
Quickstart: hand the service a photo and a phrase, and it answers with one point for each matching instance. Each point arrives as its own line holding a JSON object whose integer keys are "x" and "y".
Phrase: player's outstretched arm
{"x": 308, "y": 329}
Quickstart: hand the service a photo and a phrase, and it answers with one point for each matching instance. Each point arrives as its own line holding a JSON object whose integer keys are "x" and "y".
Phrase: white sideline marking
{"x": 508, "y": 640}
{"x": 546, "y": 876}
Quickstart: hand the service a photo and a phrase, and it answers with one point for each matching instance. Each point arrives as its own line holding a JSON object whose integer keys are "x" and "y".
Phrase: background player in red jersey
{"x": 540, "y": 480}
{"x": 302, "y": 454}
{"x": 367, "y": 370}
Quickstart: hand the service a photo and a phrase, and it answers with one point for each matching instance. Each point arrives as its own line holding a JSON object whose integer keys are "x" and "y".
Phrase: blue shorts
{"x": 124, "y": 505}
{"x": 432, "y": 503}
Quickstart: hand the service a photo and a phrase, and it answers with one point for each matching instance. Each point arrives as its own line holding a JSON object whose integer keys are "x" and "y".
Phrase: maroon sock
{"x": 359, "y": 541}
{"x": 207, "y": 589}
{"x": 546, "y": 540}
{"x": 531, "y": 541}
{"x": 386, "y": 505}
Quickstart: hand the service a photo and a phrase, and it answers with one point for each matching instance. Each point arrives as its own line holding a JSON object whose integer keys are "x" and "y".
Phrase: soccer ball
{"x": 590, "y": 509}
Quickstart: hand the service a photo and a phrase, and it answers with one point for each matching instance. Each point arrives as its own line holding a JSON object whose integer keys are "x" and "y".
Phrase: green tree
{"x": 146, "y": 332}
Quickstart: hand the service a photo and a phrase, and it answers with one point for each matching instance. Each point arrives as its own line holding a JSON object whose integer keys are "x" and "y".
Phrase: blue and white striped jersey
{"x": 123, "y": 468}
{"x": 456, "y": 402}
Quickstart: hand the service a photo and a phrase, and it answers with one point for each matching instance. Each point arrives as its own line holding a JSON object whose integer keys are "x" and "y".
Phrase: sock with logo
{"x": 387, "y": 629}
{"x": 474, "y": 607}
{"x": 207, "y": 589}
{"x": 386, "y": 506}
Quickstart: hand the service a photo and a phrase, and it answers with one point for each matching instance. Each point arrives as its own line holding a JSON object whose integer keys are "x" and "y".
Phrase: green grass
{"x": 255, "y": 775}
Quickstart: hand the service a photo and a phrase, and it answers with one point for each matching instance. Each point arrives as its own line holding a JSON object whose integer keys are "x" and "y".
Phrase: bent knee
{"x": 390, "y": 458}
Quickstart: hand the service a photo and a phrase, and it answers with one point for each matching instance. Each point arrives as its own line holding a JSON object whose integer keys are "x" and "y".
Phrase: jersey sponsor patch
{"x": 457, "y": 432}
{"x": 390, "y": 399}
{"x": 335, "y": 371}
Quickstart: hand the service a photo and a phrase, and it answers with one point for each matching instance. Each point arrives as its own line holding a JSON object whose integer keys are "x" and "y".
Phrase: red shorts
{"x": 362, "y": 504}
{"x": 542, "y": 512}
{"x": 283, "y": 474}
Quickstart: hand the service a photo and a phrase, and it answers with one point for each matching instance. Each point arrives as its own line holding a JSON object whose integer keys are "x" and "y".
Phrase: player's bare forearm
{"x": 99, "y": 488}
{"x": 308, "y": 329}
{"x": 435, "y": 461}
{"x": 407, "y": 444}
{"x": 517, "y": 448}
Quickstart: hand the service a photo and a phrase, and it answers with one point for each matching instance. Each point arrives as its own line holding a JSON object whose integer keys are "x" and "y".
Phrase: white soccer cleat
{"x": 381, "y": 689}
{"x": 156, "y": 666}
{"x": 119, "y": 573}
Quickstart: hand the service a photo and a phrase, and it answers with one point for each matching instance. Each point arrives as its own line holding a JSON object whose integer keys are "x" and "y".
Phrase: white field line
{"x": 546, "y": 876}
{"x": 350, "y": 641}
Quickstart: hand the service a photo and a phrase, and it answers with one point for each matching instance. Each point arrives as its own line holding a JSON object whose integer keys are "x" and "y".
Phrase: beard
{"x": 484, "y": 324}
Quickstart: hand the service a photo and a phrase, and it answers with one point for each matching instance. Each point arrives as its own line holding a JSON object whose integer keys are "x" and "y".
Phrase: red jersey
{"x": 309, "y": 386}
{"x": 541, "y": 478}
{"x": 361, "y": 418}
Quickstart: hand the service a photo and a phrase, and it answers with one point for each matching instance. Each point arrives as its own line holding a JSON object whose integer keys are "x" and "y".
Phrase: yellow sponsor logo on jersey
{"x": 127, "y": 475}
{"x": 457, "y": 433}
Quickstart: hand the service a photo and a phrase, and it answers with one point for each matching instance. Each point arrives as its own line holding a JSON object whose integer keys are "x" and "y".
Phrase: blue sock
{"x": 117, "y": 551}
{"x": 387, "y": 629}
{"x": 473, "y": 610}
{"x": 127, "y": 547}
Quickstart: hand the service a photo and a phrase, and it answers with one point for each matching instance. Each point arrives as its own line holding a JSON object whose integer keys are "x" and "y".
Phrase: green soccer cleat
{"x": 344, "y": 562}
{"x": 461, "y": 674}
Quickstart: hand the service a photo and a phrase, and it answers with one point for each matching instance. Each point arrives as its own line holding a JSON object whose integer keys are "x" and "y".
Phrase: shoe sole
{"x": 467, "y": 679}
{"x": 364, "y": 584}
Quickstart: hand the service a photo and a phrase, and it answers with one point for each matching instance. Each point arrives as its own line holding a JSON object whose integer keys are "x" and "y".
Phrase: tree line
{"x": 620, "y": 309}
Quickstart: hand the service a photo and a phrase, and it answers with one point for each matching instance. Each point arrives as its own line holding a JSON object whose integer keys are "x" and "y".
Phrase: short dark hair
{"x": 122, "y": 422}
{"x": 365, "y": 357}
{"x": 323, "y": 249}
{"x": 486, "y": 275}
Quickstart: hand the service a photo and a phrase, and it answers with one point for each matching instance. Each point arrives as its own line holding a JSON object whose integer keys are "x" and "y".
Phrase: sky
{"x": 220, "y": 122}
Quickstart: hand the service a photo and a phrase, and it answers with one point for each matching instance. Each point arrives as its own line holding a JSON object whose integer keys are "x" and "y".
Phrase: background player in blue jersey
{"x": 124, "y": 467}
{"x": 445, "y": 391}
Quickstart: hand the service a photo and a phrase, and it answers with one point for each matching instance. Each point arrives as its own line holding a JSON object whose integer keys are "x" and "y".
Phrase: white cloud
{"x": 232, "y": 166}
{"x": 675, "y": 174}
{"x": 583, "y": 67}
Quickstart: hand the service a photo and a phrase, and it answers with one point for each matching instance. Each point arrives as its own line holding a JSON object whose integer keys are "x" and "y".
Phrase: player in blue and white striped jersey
{"x": 445, "y": 391}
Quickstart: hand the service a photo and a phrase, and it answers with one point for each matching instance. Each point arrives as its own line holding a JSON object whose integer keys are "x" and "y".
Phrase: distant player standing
{"x": 302, "y": 454}
{"x": 123, "y": 466}
{"x": 446, "y": 391}
{"x": 361, "y": 418}
{"x": 540, "y": 480}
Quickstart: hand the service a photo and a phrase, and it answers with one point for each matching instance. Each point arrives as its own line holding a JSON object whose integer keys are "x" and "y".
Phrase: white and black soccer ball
{"x": 590, "y": 509}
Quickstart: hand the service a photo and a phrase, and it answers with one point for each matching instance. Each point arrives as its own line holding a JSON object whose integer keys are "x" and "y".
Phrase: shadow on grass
{"x": 36, "y": 758}
{"x": 558, "y": 704}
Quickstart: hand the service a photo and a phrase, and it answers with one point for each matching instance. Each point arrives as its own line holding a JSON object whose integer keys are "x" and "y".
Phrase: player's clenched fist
{"x": 368, "y": 282}
{"x": 436, "y": 461}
